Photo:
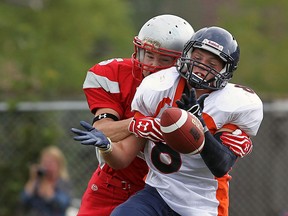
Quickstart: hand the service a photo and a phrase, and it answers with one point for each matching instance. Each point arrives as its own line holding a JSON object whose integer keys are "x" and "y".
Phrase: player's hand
{"x": 191, "y": 104}
{"x": 146, "y": 127}
{"x": 91, "y": 136}
{"x": 238, "y": 142}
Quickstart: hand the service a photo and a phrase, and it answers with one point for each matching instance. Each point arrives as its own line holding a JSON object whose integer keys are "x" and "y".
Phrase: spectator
{"x": 47, "y": 192}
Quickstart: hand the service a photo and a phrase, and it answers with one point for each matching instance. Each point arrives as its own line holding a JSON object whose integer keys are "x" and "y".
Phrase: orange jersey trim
{"x": 138, "y": 115}
{"x": 212, "y": 126}
{"x": 178, "y": 95}
{"x": 222, "y": 192}
{"x": 179, "y": 91}
{"x": 222, "y": 195}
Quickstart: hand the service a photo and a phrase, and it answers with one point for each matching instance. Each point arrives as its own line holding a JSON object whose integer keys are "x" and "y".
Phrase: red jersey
{"x": 110, "y": 84}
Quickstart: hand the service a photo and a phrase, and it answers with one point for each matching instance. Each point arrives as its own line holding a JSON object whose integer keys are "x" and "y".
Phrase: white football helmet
{"x": 163, "y": 34}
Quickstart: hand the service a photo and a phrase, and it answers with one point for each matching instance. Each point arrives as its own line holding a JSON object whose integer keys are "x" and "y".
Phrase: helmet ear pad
{"x": 182, "y": 67}
{"x": 140, "y": 54}
{"x": 219, "y": 81}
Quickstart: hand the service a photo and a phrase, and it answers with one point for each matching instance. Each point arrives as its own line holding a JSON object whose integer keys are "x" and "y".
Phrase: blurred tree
{"x": 47, "y": 46}
{"x": 261, "y": 30}
{"x": 46, "y": 51}
{"x": 260, "y": 27}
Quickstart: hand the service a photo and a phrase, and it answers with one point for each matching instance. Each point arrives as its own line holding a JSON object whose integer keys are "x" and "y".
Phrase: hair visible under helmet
{"x": 163, "y": 34}
{"x": 217, "y": 41}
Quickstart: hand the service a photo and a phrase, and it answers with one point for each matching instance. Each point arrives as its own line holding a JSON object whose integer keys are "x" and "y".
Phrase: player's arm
{"x": 218, "y": 157}
{"x": 139, "y": 125}
{"x": 105, "y": 106}
{"x": 123, "y": 152}
{"x": 222, "y": 150}
{"x": 146, "y": 127}
{"x": 217, "y": 154}
{"x": 117, "y": 154}
{"x": 107, "y": 120}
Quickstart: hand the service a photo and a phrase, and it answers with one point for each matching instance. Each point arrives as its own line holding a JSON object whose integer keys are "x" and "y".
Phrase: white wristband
{"x": 109, "y": 148}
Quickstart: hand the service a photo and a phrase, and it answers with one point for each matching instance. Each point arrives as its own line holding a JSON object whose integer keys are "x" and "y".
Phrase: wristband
{"x": 108, "y": 150}
{"x": 104, "y": 115}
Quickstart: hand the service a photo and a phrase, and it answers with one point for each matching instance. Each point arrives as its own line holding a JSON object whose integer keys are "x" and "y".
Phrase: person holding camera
{"x": 46, "y": 193}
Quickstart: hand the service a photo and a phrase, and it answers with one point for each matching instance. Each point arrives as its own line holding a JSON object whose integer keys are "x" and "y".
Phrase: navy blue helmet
{"x": 217, "y": 41}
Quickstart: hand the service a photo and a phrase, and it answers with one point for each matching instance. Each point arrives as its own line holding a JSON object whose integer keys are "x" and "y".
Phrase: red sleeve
{"x": 101, "y": 87}
{"x": 99, "y": 98}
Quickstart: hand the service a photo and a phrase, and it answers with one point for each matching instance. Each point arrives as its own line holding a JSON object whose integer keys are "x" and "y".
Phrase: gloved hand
{"x": 191, "y": 104}
{"x": 91, "y": 136}
{"x": 238, "y": 142}
{"x": 146, "y": 127}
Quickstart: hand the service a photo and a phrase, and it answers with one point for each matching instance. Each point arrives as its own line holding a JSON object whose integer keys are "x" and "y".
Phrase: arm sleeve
{"x": 102, "y": 89}
{"x": 218, "y": 157}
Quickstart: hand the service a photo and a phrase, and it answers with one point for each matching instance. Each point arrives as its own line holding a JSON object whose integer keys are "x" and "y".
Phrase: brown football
{"x": 182, "y": 131}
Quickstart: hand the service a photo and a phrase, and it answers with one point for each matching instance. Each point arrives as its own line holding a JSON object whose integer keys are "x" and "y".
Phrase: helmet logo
{"x": 213, "y": 44}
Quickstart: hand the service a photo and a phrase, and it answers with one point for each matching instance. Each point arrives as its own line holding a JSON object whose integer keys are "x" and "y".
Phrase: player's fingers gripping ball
{"x": 182, "y": 131}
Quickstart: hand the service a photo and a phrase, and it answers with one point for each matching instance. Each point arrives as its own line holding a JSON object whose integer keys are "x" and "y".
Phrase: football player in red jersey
{"x": 109, "y": 88}
{"x": 186, "y": 184}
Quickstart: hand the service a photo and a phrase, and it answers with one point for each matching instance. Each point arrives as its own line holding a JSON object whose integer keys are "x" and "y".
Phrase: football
{"x": 182, "y": 131}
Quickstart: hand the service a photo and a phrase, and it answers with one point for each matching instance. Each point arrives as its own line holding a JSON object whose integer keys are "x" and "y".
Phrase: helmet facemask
{"x": 141, "y": 47}
{"x": 188, "y": 69}
{"x": 214, "y": 40}
{"x": 189, "y": 72}
{"x": 163, "y": 35}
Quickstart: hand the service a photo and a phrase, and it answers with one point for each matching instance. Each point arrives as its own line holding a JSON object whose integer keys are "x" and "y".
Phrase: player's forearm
{"x": 218, "y": 158}
{"x": 122, "y": 153}
{"x": 114, "y": 159}
{"x": 115, "y": 130}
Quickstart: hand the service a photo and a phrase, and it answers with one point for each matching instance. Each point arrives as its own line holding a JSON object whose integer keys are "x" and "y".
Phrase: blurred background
{"x": 47, "y": 46}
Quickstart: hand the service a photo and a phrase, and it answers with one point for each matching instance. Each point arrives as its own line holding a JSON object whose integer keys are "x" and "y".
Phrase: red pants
{"x": 103, "y": 194}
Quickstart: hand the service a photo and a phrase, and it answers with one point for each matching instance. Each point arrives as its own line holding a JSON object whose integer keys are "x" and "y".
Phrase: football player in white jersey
{"x": 185, "y": 184}
{"x": 109, "y": 89}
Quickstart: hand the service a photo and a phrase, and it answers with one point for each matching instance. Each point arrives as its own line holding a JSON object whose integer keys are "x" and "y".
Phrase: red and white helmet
{"x": 163, "y": 34}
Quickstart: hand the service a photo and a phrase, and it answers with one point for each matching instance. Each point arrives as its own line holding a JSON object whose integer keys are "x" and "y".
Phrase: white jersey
{"x": 184, "y": 181}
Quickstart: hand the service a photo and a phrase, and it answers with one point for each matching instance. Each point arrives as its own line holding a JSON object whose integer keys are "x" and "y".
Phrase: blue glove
{"x": 190, "y": 103}
{"x": 91, "y": 136}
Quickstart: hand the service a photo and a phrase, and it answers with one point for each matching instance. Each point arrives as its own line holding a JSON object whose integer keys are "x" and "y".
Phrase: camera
{"x": 41, "y": 172}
